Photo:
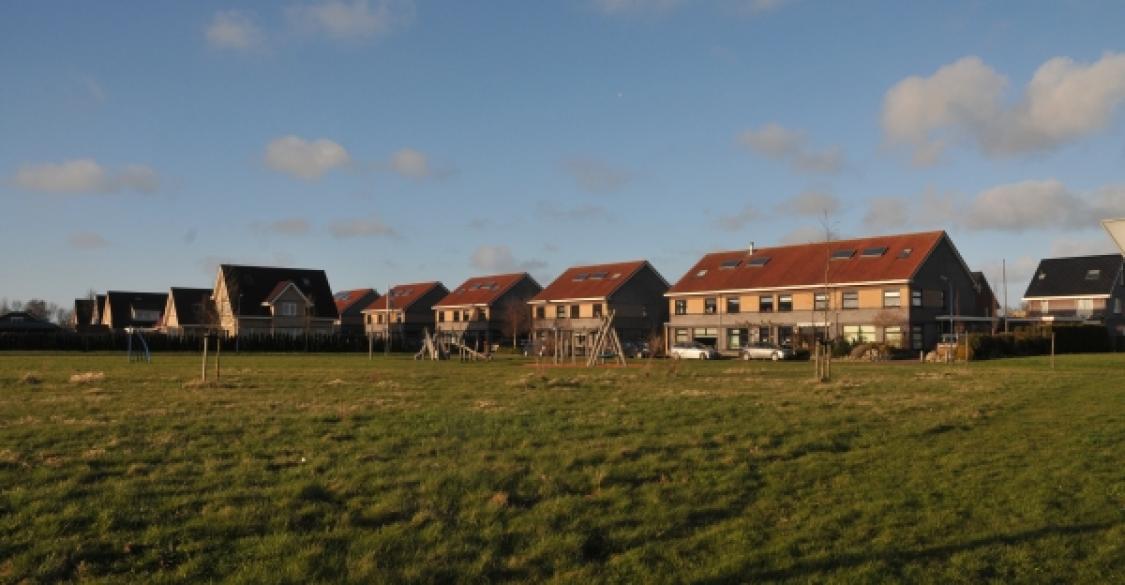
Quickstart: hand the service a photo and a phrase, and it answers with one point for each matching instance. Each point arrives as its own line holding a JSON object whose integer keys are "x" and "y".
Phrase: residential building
{"x": 573, "y": 305}
{"x": 189, "y": 311}
{"x": 133, "y": 310}
{"x": 263, "y": 300}
{"x": 82, "y": 315}
{"x": 24, "y": 322}
{"x": 96, "y": 318}
{"x": 404, "y": 313}
{"x": 350, "y": 305}
{"x": 904, "y": 290}
{"x": 487, "y": 309}
{"x": 1080, "y": 289}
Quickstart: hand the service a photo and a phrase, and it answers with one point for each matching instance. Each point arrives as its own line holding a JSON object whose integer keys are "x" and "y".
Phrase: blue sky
{"x": 390, "y": 141}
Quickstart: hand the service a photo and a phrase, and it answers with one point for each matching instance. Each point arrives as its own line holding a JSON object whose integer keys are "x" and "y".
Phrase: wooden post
{"x": 204, "y": 370}
{"x": 1052, "y": 349}
{"x": 370, "y": 347}
{"x": 218, "y": 355}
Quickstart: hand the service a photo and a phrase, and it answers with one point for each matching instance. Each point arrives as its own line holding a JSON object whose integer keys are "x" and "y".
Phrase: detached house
{"x": 133, "y": 310}
{"x": 350, "y": 305}
{"x": 903, "y": 290}
{"x": 402, "y": 314}
{"x": 573, "y": 305}
{"x": 189, "y": 311}
{"x": 1082, "y": 289}
{"x": 82, "y": 315}
{"x": 273, "y": 301}
{"x": 486, "y": 309}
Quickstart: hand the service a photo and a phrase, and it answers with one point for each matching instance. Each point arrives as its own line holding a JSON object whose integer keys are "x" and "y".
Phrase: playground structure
{"x": 141, "y": 353}
{"x": 436, "y": 347}
{"x": 605, "y": 346}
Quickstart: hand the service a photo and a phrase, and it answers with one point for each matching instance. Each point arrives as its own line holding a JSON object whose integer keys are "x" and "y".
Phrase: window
{"x": 560, "y": 311}
{"x": 148, "y": 314}
{"x": 734, "y": 305}
{"x": 763, "y": 334}
{"x": 785, "y": 335}
{"x": 905, "y": 252}
{"x": 1042, "y": 275}
{"x": 287, "y": 309}
{"x": 710, "y": 306}
{"x": 680, "y": 307}
{"x": 540, "y": 312}
{"x": 682, "y": 336}
{"x": 736, "y": 338}
{"x": 16, "y": 319}
{"x": 784, "y": 303}
{"x": 758, "y": 262}
{"x": 859, "y": 333}
{"x": 850, "y": 300}
{"x": 1093, "y": 274}
{"x": 597, "y": 310}
{"x": 580, "y": 276}
{"x": 892, "y": 297}
{"x": 892, "y": 336}
{"x": 1044, "y": 306}
{"x": 729, "y": 264}
{"x": 1085, "y": 307}
{"x": 379, "y": 319}
{"x": 874, "y": 252}
{"x": 916, "y": 337}
{"x": 820, "y": 301}
{"x": 915, "y": 298}
{"x": 456, "y": 316}
{"x": 941, "y": 297}
{"x": 574, "y": 311}
{"x": 441, "y": 316}
{"x": 1116, "y": 306}
{"x": 843, "y": 254}
{"x": 765, "y": 304}
{"x": 598, "y": 275}
{"x": 701, "y": 273}
{"x": 466, "y": 315}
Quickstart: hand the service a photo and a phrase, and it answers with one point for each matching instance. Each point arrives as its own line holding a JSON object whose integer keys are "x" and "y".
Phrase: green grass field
{"x": 333, "y": 468}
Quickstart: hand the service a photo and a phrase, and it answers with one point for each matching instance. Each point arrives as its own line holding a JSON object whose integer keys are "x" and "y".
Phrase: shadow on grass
{"x": 811, "y": 569}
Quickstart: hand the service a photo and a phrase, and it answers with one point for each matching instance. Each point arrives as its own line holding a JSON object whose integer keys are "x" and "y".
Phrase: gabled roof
{"x": 871, "y": 259}
{"x": 1074, "y": 276}
{"x": 256, "y": 283}
{"x": 122, "y": 304}
{"x": 594, "y": 281}
{"x": 191, "y": 304}
{"x": 98, "y": 317}
{"x": 83, "y": 311}
{"x": 353, "y": 302}
{"x": 280, "y": 289}
{"x": 483, "y": 290}
{"x": 402, "y": 296}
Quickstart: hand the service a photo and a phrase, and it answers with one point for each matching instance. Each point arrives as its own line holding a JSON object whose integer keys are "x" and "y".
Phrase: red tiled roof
{"x": 344, "y": 299}
{"x": 803, "y": 265}
{"x": 482, "y": 290}
{"x": 402, "y": 296}
{"x": 596, "y": 281}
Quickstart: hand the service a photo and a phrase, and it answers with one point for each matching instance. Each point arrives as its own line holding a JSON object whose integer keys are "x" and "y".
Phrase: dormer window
{"x": 1093, "y": 274}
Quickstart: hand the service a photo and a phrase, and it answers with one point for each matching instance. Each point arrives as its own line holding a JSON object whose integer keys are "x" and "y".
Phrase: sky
{"x": 394, "y": 141}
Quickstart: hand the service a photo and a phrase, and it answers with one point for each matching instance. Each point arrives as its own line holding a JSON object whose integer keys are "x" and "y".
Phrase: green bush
{"x": 1037, "y": 341}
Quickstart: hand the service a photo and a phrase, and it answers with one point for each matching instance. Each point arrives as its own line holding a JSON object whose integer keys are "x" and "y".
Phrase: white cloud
{"x": 234, "y": 30}
{"x": 595, "y": 176}
{"x": 411, "y": 163}
{"x": 886, "y": 214}
{"x": 1046, "y": 204}
{"x": 350, "y": 20}
{"x": 368, "y": 227}
{"x": 808, "y": 234}
{"x": 305, "y": 159}
{"x": 85, "y": 176}
{"x": 292, "y": 226}
{"x": 779, "y": 143}
{"x": 811, "y": 203}
{"x": 497, "y": 259}
{"x": 1082, "y": 247}
{"x": 86, "y": 241}
{"x": 738, "y": 221}
{"x": 964, "y": 101}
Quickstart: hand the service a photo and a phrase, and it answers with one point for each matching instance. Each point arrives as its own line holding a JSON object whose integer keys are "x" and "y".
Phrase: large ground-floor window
{"x": 859, "y": 333}
{"x": 916, "y": 339}
{"x": 762, "y": 334}
{"x": 706, "y": 335}
{"x": 892, "y": 336}
{"x": 737, "y": 338}
{"x": 682, "y": 336}
{"x": 784, "y": 335}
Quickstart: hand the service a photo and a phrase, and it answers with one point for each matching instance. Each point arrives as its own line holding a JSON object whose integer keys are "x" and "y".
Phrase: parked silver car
{"x": 693, "y": 351}
{"x": 766, "y": 351}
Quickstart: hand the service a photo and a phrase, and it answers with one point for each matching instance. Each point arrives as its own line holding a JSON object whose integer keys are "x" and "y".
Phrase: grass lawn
{"x": 333, "y": 468}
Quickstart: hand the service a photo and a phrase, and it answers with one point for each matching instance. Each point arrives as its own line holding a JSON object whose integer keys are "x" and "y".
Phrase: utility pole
{"x": 1004, "y": 277}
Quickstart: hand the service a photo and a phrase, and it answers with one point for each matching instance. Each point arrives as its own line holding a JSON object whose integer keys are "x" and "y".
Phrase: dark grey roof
{"x": 1061, "y": 277}
{"x": 17, "y": 321}
{"x": 83, "y": 311}
{"x": 255, "y": 283}
{"x": 191, "y": 304}
{"x": 122, "y": 303}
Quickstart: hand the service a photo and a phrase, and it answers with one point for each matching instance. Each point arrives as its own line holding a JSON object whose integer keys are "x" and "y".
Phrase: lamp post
{"x": 238, "y": 324}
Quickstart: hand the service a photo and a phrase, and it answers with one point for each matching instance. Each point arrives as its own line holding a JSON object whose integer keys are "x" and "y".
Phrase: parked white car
{"x": 693, "y": 351}
{"x": 766, "y": 351}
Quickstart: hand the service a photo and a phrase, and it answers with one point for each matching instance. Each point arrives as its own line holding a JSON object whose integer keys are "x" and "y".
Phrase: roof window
{"x": 874, "y": 252}
{"x": 598, "y": 275}
{"x": 729, "y": 264}
{"x": 758, "y": 262}
{"x": 843, "y": 254}
{"x": 581, "y": 276}
{"x": 1093, "y": 274}
{"x": 701, "y": 273}
{"x": 905, "y": 252}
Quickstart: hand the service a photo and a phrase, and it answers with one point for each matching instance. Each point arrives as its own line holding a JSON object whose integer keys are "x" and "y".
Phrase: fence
{"x": 159, "y": 342}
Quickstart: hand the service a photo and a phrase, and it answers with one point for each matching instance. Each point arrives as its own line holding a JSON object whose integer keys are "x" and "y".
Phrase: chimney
{"x": 750, "y": 250}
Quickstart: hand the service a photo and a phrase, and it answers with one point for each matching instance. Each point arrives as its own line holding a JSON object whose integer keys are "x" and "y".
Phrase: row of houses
{"x": 905, "y": 290}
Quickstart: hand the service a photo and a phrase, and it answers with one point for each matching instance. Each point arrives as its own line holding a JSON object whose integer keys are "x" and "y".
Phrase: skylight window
{"x": 598, "y": 275}
{"x": 905, "y": 253}
{"x": 580, "y": 276}
{"x": 1042, "y": 275}
{"x": 874, "y": 252}
{"x": 701, "y": 273}
{"x": 729, "y": 264}
{"x": 615, "y": 276}
{"x": 1093, "y": 274}
{"x": 843, "y": 254}
{"x": 758, "y": 262}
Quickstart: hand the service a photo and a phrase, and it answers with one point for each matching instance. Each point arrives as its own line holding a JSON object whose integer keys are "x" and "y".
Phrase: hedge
{"x": 1037, "y": 341}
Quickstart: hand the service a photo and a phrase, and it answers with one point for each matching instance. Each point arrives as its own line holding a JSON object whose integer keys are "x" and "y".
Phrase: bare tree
{"x": 517, "y": 319}
{"x": 655, "y": 341}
